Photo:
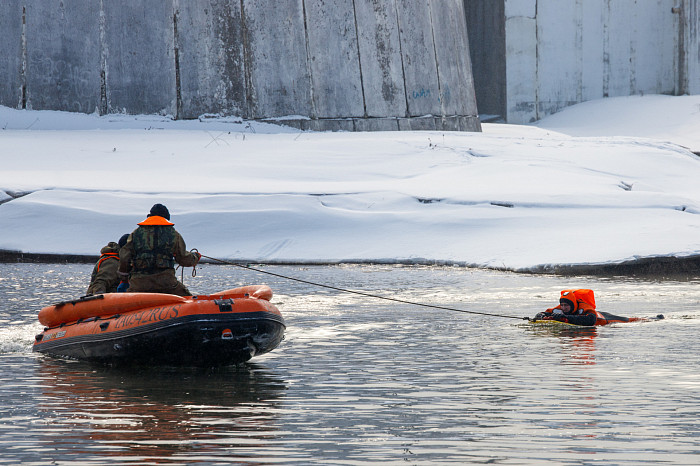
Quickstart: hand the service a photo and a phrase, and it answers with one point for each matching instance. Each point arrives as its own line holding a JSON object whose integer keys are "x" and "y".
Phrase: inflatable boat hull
{"x": 206, "y": 331}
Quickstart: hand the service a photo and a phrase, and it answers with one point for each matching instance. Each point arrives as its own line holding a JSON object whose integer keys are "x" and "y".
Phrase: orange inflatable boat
{"x": 224, "y": 328}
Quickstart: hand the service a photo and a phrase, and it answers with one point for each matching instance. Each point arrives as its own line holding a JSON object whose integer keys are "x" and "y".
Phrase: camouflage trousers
{"x": 161, "y": 282}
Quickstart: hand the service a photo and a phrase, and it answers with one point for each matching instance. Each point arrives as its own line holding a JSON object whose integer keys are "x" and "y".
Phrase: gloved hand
{"x": 196, "y": 254}
{"x": 560, "y": 317}
{"x": 123, "y": 286}
{"x": 542, "y": 316}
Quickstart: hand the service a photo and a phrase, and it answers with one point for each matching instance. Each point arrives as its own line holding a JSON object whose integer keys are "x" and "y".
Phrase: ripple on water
{"x": 363, "y": 381}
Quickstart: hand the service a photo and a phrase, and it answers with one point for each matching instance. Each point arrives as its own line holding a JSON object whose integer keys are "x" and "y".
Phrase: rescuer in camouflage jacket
{"x": 105, "y": 278}
{"x": 148, "y": 258}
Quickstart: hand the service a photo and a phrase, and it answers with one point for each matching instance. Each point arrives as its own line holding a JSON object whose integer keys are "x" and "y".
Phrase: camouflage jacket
{"x": 153, "y": 248}
{"x": 104, "y": 277}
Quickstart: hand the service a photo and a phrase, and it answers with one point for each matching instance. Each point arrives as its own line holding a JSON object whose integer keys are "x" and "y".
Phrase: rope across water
{"x": 362, "y": 293}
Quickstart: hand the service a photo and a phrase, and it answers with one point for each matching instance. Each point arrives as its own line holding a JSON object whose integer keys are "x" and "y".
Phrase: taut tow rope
{"x": 362, "y": 293}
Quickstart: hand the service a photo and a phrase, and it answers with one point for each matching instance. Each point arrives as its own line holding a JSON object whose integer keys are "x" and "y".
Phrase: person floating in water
{"x": 578, "y": 307}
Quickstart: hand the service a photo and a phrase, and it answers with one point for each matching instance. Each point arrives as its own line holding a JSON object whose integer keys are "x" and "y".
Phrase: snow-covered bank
{"x": 514, "y": 197}
{"x": 663, "y": 117}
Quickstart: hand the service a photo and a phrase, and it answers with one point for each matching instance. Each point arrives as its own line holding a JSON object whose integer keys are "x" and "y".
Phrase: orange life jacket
{"x": 105, "y": 256}
{"x": 155, "y": 220}
{"x": 584, "y": 303}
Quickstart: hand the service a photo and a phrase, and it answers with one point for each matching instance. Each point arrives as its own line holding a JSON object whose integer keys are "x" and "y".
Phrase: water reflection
{"x": 360, "y": 381}
{"x": 577, "y": 343}
{"x": 155, "y": 413}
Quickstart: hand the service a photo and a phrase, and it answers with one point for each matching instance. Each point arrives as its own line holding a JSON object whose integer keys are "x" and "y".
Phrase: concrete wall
{"x": 689, "y": 55}
{"x": 487, "y": 39}
{"x": 12, "y": 56}
{"x": 210, "y": 58}
{"x": 559, "y": 53}
{"x": 55, "y": 79}
{"x": 140, "y": 63}
{"x": 337, "y": 64}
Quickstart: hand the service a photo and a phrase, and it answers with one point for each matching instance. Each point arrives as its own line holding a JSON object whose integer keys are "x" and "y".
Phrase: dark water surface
{"x": 364, "y": 381}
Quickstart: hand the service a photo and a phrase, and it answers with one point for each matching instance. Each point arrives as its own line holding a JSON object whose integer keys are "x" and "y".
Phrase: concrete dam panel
{"x": 279, "y": 80}
{"x": 12, "y": 57}
{"x": 379, "y": 44}
{"x": 63, "y": 56}
{"x": 210, "y": 58}
{"x": 140, "y": 63}
{"x": 352, "y": 65}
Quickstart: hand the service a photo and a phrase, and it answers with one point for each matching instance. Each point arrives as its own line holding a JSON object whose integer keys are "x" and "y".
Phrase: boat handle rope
{"x": 194, "y": 267}
{"x": 362, "y": 293}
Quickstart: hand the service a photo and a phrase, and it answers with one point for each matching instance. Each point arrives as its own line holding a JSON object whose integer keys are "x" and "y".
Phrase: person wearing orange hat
{"x": 148, "y": 258}
{"x": 578, "y": 307}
